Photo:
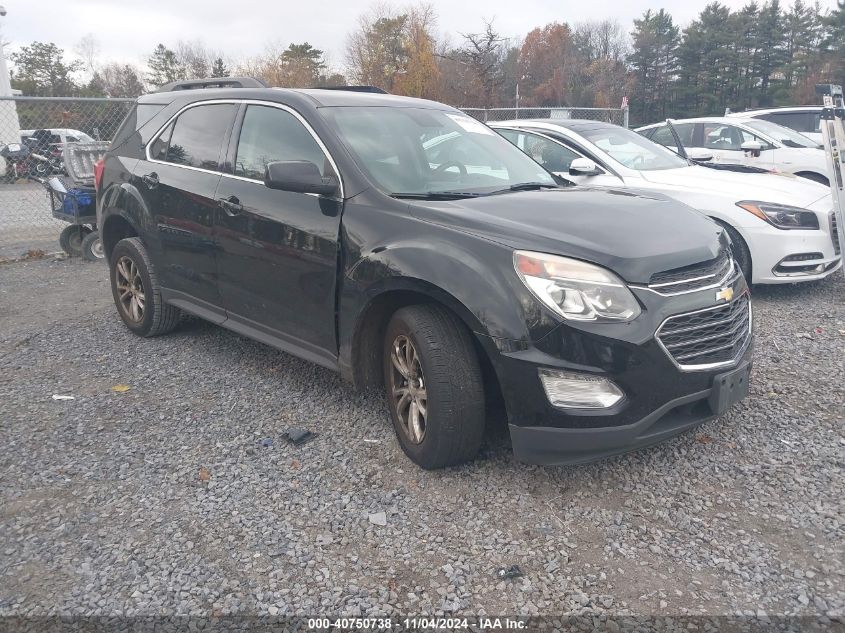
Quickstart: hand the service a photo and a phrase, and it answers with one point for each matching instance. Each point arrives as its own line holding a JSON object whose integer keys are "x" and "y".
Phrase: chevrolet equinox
{"x": 412, "y": 249}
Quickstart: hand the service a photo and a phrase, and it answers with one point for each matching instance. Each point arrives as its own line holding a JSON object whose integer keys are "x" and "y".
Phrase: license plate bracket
{"x": 729, "y": 388}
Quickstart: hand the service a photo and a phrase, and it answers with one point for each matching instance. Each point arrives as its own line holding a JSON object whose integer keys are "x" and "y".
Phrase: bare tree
{"x": 602, "y": 39}
{"x": 88, "y": 50}
{"x": 483, "y": 53}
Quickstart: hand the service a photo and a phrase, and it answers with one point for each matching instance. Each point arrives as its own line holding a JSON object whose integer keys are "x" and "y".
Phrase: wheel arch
{"x": 815, "y": 176}
{"x": 116, "y": 227}
{"x": 361, "y": 356}
{"x": 731, "y": 230}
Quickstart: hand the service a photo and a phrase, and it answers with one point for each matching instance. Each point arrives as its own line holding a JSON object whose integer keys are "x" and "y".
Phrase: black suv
{"x": 409, "y": 247}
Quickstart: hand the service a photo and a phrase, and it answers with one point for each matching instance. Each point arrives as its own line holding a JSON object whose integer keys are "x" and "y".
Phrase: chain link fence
{"x": 618, "y": 116}
{"x": 38, "y": 127}
{"x": 33, "y": 132}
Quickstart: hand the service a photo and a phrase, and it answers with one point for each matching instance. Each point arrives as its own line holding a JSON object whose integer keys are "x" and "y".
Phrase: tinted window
{"x": 796, "y": 120}
{"x": 198, "y": 135}
{"x": 551, "y": 155}
{"x": 158, "y": 150}
{"x": 271, "y": 134}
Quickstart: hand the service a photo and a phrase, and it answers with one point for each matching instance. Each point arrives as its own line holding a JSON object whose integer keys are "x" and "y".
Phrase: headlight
{"x": 782, "y": 216}
{"x": 574, "y": 289}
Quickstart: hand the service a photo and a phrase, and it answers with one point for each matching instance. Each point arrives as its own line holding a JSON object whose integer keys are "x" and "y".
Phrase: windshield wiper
{"x": 436, "y": 195}
{"x": 527, "y": 186}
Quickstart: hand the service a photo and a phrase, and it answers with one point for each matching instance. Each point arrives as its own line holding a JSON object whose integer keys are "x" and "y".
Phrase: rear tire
{"x": 92, "y": 247}
{"x": 71, "y": 239}
{"x": 434, "y": 386}
{"x": 741, "y": 253}
{"x": 136, "y": 291}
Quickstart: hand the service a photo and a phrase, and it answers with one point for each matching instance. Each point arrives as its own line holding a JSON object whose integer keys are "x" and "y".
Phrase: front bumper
{"x": 661, "y": 398}
{"x": 775, "y": 252}
{"x": 562, "y": 446}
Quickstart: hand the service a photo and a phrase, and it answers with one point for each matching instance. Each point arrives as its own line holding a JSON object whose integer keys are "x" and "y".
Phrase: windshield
{"x": 631, "y": 149}
{"x": 788, "y": 137}
{"x": 421, "y": 151}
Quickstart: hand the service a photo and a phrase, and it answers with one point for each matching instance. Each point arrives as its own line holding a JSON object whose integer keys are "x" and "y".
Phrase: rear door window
{"x": 799, "y": 121}
{"x": 198, "y": 135}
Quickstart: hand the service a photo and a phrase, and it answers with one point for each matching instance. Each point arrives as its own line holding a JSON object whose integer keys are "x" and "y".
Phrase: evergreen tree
{"x": 770, "y": 40}
{"x": 164, "y": 66}
{"x": 40, "y": 70}
{"x": 218, "y": 68}
{"x": 705, "y": 59}
{"x": 654, "y": 59}
{"x": 834, "y": 42}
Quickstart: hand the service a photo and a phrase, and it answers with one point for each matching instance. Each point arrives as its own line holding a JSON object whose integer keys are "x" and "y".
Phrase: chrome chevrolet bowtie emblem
{"x": 725, "y": 293}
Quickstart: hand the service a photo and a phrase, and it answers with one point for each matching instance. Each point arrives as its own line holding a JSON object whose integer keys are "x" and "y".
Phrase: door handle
{"x": 151, "y": 180}
{"x": 231, "y": 206}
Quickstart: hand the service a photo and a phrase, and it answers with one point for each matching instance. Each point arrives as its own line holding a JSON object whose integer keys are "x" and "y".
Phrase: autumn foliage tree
{"x": 421, "y": 75}
{"x": 545, "y": 61}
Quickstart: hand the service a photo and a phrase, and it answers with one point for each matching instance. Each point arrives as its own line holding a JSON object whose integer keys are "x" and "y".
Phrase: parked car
{"x": 781, "y": 226}
{"x": 61, "y": 136}
{"x": 746, "y": 142}
{"x": 332, "y": 225}
{"x": 803, "y": 119}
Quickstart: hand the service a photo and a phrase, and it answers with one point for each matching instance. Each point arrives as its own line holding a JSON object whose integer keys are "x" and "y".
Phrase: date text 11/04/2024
{"x": 415, "y": 624}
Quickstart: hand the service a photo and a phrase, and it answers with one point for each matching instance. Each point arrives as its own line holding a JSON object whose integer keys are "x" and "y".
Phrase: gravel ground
{"x": 180, "y": 496}
{"x": 25, "y": 221}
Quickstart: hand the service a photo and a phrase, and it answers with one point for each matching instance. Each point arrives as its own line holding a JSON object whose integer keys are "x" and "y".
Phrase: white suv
{"x": 752, "y": 142}
{"x": 803, "y": 119}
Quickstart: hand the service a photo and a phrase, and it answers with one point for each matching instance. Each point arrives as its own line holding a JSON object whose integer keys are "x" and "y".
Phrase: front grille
{"x": 708, "y": 337}
{"x": 834, "y": 233}
{"x": 693, "y": 277}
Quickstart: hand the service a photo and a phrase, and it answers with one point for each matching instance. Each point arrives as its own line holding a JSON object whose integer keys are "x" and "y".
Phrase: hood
{"x": 633, "y": 234}
{"x": 781, "y": 188}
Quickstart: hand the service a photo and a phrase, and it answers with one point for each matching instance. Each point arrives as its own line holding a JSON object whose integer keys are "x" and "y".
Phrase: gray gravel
{"x": 25, "y": 220}
{"x": 180, "y": 495}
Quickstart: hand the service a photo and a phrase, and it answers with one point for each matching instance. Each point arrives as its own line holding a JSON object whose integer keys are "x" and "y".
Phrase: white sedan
{"x": 752, "y": 142}
{"x": 781, "y": 226}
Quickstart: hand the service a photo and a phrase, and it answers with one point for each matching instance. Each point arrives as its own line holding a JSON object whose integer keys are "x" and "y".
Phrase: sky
{"x": 128, "y": 30}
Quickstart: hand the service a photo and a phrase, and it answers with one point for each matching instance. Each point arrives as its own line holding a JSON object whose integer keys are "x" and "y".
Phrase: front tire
{"x": 434, "y": 387}
{"x": 136, "y": 291}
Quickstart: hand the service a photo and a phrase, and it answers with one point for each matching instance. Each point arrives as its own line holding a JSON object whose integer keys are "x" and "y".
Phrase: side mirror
{"x": 755, "y": 147}
{"x": 699, "y": 154}
{"x": 300, "y": 176}
{"x": 584, "y": 167}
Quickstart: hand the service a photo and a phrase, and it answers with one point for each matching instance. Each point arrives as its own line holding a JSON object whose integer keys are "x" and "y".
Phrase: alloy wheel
{"x": 130, "y": 286}
{"x": 407, "y": 385}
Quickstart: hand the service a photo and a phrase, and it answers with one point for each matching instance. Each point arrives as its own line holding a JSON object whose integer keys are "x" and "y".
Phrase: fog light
{"x": 579, "y": 391}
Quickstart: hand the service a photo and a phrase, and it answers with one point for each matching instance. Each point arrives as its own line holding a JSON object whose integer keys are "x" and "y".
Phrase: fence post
{"x": 485, "y": 115}
{"x": 625, "y": 116}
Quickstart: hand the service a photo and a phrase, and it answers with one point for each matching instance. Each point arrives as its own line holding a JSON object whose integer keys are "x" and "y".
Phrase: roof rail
{"x": 213, "y": 82}
{"x": 372, "y": 89}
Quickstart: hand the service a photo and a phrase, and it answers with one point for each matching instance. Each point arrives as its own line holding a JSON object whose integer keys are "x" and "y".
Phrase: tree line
{"x": 760, "y": 55}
